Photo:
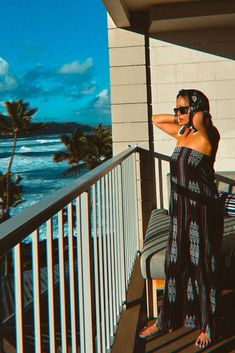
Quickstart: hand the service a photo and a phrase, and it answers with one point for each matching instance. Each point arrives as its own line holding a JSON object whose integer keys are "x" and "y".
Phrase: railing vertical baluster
{"x": 136, "y": 223}
{"x": 130, "y": 207}
{"x": 80, "y": 276}
{"x": 122, "y": 248}
{"x": 133, "y": 210}
{"x": 124, "y": 218}
{"x": 117, "y": 217}
{"x": 86, "y": 262}
{"x": 50, "y": 281}
{"x": 18, "y": 299}
{"x": 96, "y": 270}
{"x": 104, "y": 236}
{"x": 72, "y": 279}
{"x": 112, "y": 243}
{"x": 62, "y": 282}
{"x": 36, "y": 292}
{"x": 108, "y": 235}
{"x": 160, "y": 182}
{"x": 127, "y": 216}
{"x": 130, "y": 211}
{"x": 101, "y": 268}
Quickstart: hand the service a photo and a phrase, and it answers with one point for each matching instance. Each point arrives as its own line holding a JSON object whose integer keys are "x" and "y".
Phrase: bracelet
{"x": 175, "y": 119}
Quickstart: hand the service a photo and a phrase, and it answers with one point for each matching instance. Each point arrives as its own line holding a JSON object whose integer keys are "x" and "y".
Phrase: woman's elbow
{"x": 155, "y": 119}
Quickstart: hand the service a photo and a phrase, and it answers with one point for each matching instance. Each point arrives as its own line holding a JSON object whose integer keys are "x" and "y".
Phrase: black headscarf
{"x": 197, "y": 102}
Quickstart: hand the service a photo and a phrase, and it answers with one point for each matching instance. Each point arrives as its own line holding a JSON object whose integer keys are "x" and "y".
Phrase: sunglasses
{"x": 181, "y": 110}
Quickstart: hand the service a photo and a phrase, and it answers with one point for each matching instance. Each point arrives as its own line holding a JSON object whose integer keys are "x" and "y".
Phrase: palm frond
{"x": 65, "y": 139}
{"x": 11, "y": 108}
{"x": 75, "y": 169}
{"x": 5, "y": 125}
{"x": 60, "y": 156}
{"x": 30, "y": 112}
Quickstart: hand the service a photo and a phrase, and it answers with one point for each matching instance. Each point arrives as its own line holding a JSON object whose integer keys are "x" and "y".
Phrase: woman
{"x": 190, "y": 293}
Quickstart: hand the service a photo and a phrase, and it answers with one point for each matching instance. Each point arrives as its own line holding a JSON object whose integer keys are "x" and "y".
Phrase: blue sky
{"x": 54, "y": 55}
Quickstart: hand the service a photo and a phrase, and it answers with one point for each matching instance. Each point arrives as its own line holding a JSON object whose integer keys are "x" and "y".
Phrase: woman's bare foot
{"x": 149, "y": 331}
{"x": 203, "y": 340}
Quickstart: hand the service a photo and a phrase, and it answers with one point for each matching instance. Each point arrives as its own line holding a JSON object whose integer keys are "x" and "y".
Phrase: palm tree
{"x": 85, "y": 150}
{"x": 74, "y": 153}
{"x": 16, "y": 122}
{"x": 14, "y": 197}
{"x": 98, "y": 147}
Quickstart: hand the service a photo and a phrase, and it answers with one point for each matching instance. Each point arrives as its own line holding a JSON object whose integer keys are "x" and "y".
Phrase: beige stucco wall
{"x": 128, "y": 88}
{"x": 174, "y": 67}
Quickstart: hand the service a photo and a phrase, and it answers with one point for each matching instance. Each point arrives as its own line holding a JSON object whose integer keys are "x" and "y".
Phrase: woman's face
{"x": 183, "y": 115}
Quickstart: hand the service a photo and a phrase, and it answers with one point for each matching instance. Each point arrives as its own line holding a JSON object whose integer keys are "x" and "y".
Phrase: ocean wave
{"x": 34, "y": 154}
{"x": 41, "y": 141}
{"x": 25, "y": 148}
{"x": 30, "y": 141}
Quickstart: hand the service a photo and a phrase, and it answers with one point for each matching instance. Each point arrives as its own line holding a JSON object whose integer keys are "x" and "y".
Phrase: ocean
{"x": 33, "y": 163}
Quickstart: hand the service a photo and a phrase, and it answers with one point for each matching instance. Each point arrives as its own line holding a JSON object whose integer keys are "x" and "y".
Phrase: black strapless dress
{"x": 191, "y": 293}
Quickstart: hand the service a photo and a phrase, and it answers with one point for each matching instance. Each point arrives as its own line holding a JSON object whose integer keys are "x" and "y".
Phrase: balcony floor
{"x": 181, "y": 340}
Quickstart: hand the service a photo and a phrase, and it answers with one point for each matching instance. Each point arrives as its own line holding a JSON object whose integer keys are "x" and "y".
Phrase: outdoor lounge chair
{"x": 153, "y": 254}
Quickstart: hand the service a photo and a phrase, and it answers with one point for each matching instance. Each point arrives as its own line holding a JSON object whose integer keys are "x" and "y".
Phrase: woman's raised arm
{"x": 167, "y": 123}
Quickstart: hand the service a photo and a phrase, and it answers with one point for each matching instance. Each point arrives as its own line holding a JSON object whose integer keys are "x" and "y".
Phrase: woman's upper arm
{"x": 165, "y": 122}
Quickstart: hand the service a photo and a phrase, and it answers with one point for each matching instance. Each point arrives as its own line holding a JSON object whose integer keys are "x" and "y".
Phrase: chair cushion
{"x": 229, "y": 226}
{"x": 155, "y": 242}
{"x": 153, "y": 253}
{"x": 230, "y": 205}
{"x": 228, "y": 200}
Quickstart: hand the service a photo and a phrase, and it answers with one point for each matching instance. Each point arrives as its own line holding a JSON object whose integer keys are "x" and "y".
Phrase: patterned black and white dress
{"x": 191, "y": 294}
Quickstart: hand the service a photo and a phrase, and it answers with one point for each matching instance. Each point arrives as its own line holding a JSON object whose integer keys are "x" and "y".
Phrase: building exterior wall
{"x": 174, "y": 67}
{"x": 128, "y": 88}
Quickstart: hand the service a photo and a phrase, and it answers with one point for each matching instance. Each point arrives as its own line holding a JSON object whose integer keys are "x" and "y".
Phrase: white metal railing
{"x": 91, "y": 232}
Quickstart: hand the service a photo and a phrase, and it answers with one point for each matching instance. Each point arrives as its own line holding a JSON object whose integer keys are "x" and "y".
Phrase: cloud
{"x": 102, "y": 99}
{"x": 75, "y": 67}
{"x": 7, "y": 82}
{"x": 42, "y": 83}
{"x": 98, "y": 110}
{"x": 73, "y": 84}
{"x": 4, "y": 66}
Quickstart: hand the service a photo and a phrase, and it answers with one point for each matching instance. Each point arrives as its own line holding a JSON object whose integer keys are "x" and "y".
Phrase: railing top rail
{"x": 161, "y": 156}
{"x": 18, "y": 227}
{"x": 225, "y": 179}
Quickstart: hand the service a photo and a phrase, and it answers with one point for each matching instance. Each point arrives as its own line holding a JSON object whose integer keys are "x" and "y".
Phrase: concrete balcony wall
{"x": 174, "y": 67}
